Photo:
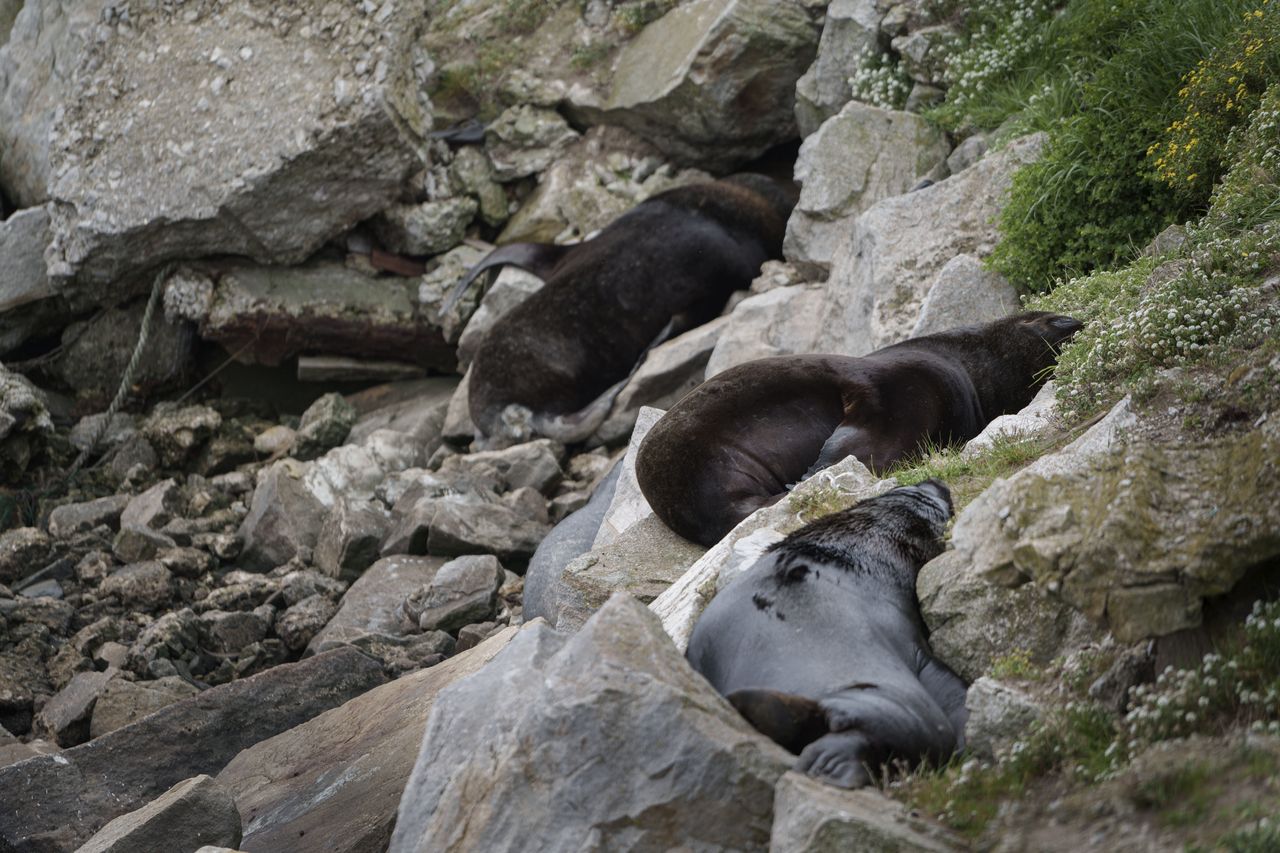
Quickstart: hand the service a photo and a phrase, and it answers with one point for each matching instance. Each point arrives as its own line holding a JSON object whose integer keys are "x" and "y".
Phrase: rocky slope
{"x": 281, "y": 606}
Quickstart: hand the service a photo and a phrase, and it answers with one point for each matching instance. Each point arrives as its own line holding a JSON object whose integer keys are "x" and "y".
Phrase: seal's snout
{"x": 1062, "y": 328}
{"x": 939, "y": 494}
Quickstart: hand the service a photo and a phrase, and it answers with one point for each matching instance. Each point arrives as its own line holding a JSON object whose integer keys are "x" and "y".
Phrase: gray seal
{"x": 820, "y": 644}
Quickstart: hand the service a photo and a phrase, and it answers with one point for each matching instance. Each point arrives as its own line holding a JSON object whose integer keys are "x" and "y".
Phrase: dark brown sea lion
{"x": 736, "y": 442}
{"x": 821, "y": 646}
{"x": 552, "y": 365}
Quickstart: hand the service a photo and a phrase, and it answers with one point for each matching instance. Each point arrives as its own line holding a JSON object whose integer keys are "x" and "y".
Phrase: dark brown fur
{"x": 669, "y": 264}
{"x": 736, "y": 443}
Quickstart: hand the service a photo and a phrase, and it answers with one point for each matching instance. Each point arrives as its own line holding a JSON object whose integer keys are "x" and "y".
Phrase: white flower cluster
{"x": 877, "y": 79}
{"x": 1007, "y": 31}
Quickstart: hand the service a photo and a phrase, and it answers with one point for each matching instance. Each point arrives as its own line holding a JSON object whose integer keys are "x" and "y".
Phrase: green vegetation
{"x": 969, "y": 476}
{"x": 1016, "y": 666}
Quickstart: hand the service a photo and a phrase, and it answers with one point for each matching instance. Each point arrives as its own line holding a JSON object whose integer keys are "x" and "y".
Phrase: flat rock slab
{"x": 56, "y": 802}
{"x": 197, "y": 811}
{"x": 372, "y": 605}
{"x": 607, "y": 740}
{"x": 333, "y": 782}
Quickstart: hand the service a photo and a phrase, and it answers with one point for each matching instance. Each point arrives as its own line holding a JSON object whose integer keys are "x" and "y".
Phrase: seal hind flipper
{"x": 839, "y": 758}
{"x": 538, "y": 258}
{"x": 789, "y": 720}
{"x": 948, "y": 690}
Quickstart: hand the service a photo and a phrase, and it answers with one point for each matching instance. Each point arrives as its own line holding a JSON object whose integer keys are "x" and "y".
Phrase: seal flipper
{"x": 791, "y": 721}
{"x": 869, "y": 446}
{"x": 948, "y": 690}
{"x": 538, "y": 258}
{"x": 838, "y": 758}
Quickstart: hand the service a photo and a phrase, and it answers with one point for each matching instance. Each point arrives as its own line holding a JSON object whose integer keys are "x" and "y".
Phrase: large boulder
{"x": 858, "y": 157}
{"x": 192, "y": 813}
{"x": 781, "y": 321}
{"x": 965, "y": 293}
{"x": 55, "y": 802}
{"x": 711, "y": 83}
{"x": 655, "y": 759}
{"x": 851, "y": 29}
{"x": 245, "y": 132}
{"x": 333, "y": 782}
{"x": 37, "y": 66}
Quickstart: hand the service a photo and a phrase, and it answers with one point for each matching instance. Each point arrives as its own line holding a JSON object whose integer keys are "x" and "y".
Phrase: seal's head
{"x": 1054, "y": 329}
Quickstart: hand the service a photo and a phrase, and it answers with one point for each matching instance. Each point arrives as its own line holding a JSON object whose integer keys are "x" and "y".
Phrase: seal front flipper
{"x": 839, "y": 758}
{"x": 788, "y": 720}
{"x": 538, "y": 258}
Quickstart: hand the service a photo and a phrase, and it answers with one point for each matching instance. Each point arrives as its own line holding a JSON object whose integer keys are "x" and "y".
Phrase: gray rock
{"x": 145, "y": 190}
{"x": 509, "y": 289}
{"x": 438, "y": 282}
{"x": 1038, "y": 418}
{"x": 64, "y": 719}
{"x": 136, "y": 544}
{"x": 269, "y": 314}
{"x": 155, "y": 507}
{"x": 142, "y": 586}
{"x": 428, "y": 228}
{"x": 186, "y": 562}
{"x": 534, "y": 464}
{"x": 221, "y": 631}
{"x": 22, "y": 676}
{"x": 965, "y": 293}
{"x": 999, "y": 715}
{"x": 923, "y": 52}
{"x": 324, "y": 425}
{"x": 779, "y": 321}
{"x": 470, "y": 636}
{"x": 459, "y": 528}
{"x": 350, "y": 538}
{"x": 710, "y": 83}
{"x": 851, "y": 27}
{"x": 458, "y": 427}
{"x": 275, "y": 441}
{"x": 812, "y": 817}
{"x": 284, "y": 518}
{"x": 333, "y": 783}
{"x": 24, "y": 285}
{"x": 13, "y": 750}
{"x": 58, "y": 801}
{"x": 198, "y": 811}
{"x": 967, "y": 153}
{"x": 371, "y": 606}
{"x": 473, "y": 174}
{"x": 642, "y": 561}
{"x": 569, "y": 539}
{"x": 858, "y": 157}
{"x": 23, "y": 550}
{"x": 681, "y": 768}
{"x": 176, "y": 432}
{"x": 37, "y": 62}
{"x": 171, "y": 637}
{"x": 414, "y": 407}
{"x": 302, "y": 621}
{"x": 668, "y": 372}
{"x": 525, "y": 140}
{"x": 24, "y": 423}
{"x": 463, "y": 590}
{"x": 70, "y": 519}
{"x": 124, "y": 702}
{"x": 628, "y": 504}
{"x": 96, "y": 352}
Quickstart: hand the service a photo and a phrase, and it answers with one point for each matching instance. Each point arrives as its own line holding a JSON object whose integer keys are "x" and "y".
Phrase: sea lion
{"x": 552, "y": 365}
{"x": 821, "y": 647}
{"x": 738, "y": 441}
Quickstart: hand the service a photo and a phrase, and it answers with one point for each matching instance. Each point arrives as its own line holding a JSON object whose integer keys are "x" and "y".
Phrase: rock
{"x": 298, "y": 624}
{"x": 95, "y": 353}
{"x": 332, "y": 783}
{"x": 458, "y": 427}
{"x": 13, "y": 750}
{"x": 221, "y": 631}
{"x": 1038, "y": 418}
{"x": 628, "y": 504}
{"x": 294, "y": 150}
{"x": 428, "y": 228}
{"x": 438, "y": 282}
{"x": 155, "y": 507}
{"x": 967, "y": 153}
{"x": 999, "y": 715}
{"x": 350, "y": 538}
{"x": 356, "y": 472}
{"x": 780, "y": 321}
{"x": 336, "y": 368}
{"x": 509, "y": 289}
{"x": 73, "y": 518}
{"x": 24, "y": 285}
{"x": 59, "y": 801}
{"x": 543, "y": 587}
{"x": 284, "y": 518}
{"x": 275, "y": 441}
{"x": 64, "y": 719}
{"x": 858, "y": 157}
{"x": 177, "y": 432}
{"x": 23, "y": 550}
{"x": 324, "y": 425}
{"x": 37, "y": 62}
{"x": 893, "y": 253}
{"x": 534, "y": 464}
{"x": 812, "y": 817}
{"x": 371, "y": 607}
{"x": 710, "y": 83}
{"x": 142, "y": 586}
{"x": 197, "y": 811}
{"x": 23, "y": 675}
{"x": 682, "y": 769}
{"x": 830, "y": 490}
{"x": 269, "y": 314}
{"x": 965, "y": 293}
{"x": 470, "y": 636}
{"x": 668, "y": 372}
{"x": 123, "y": 702}
{"x": 851, "y": 27}
{"x": 923, "y": 52}
{"x": 136, "y": 544}
{"x": 473, "y": 173}
{"x": 642, "y": 561}
{"x": 171, "y": 637}
{"x": 463, "y": 590}
{"x": 1133, "y": 531}
{"x": 525, "y": 140}
{"x": 459, "y": 528}
{"x": 24, "y": 423}
{"x": 415, "y": 407}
